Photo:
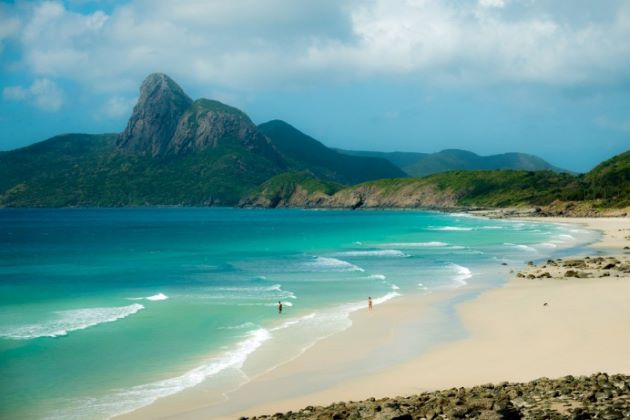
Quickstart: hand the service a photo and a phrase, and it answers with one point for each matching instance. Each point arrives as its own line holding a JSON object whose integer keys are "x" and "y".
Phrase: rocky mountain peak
{"x": 155, "y": 117}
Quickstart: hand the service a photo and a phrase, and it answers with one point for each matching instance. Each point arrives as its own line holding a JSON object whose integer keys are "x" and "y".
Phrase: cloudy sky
{"x": 545, "y": 77}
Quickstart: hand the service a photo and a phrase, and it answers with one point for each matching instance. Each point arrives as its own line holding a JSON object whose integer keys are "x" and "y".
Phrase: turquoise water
{"x": 105, "y": 310}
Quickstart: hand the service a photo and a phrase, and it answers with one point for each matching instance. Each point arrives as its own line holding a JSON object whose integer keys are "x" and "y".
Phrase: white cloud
{"x": 248, "y": 44}
{"x": 43, "y": 93}
{"x": 10, "y": 25}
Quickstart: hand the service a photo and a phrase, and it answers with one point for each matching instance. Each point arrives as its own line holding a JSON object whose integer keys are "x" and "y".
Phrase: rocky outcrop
{"x": 600, "y": 396}
{"x": 579, "y": 268}
{"x": 155, "y": 117}
{"x": 400, "y": 195}
{"x": 166, "y": 121}
{"x": 209, "y": 124}
{"x": 298, "y": 196}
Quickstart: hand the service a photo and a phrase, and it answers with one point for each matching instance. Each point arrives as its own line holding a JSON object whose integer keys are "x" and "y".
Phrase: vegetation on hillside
{"x": 305, "y": 153}
{"x": 90, "y": 172}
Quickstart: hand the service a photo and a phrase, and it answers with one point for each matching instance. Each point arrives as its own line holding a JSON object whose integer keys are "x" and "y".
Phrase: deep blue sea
{"x": 106, "y": 310}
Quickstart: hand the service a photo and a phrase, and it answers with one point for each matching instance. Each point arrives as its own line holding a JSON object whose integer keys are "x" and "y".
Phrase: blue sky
{"x": 549, "y": 77}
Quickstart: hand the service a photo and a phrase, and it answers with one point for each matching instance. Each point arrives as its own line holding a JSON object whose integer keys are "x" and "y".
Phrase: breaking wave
{"x": 71, "y": 320}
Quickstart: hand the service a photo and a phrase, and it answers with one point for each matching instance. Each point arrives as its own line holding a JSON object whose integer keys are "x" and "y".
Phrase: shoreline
{"x": 449, "y": 364}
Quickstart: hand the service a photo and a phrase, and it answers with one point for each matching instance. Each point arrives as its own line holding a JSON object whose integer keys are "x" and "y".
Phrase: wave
{"x": 159, "y": 296}
{"x": 521, "y": 247}
{"x": 546, "y": 245}
{"x": 272, "y": 288}
{"x": 394, "y": 287}
{"x": 124, "y": 401}
{"x": 417, "y": 244}
{"x": 383, "y": 299}
{"x": 462, "y": 274}
{"x": 71, "y": 320}
{"x": 330, "y": 264}
{"x": 374, "y": 253}
{"x": 285, "y": 303}
{"x": 451, "y": 228}
{"x": 468, "y": 215}
{"x": 377, "y": 276}
{"x": 244, "y": 325}
{"x": 292, "y": 322}
{"x": 491, "y": 227}
{"x": 228, "y": 294}
{"x": 127, "y": 400}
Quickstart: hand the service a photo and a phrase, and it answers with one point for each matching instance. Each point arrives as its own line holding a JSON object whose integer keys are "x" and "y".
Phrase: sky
{"x": 551, "y": 77}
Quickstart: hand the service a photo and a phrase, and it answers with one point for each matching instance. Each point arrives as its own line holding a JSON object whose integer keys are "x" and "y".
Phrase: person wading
{"x": 370, "y": 303}
{"x": 279, "y": 307}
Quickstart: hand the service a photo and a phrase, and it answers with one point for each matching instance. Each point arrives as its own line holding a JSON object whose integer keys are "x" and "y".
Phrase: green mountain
{"x": 89, "y": 170}
{"x": 422, "y": 164}
{"x": 606, "y": 186}
{"x": 400, "y": 159}
{"x": 174, "y": 151}
{"x": 305, "y": 153}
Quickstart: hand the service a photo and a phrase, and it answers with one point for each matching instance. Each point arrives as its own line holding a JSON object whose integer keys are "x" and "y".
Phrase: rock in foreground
{"x": 599, "y": 396}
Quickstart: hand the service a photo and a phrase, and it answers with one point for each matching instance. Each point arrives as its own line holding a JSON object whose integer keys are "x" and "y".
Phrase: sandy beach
{"x": 509, "y": 334}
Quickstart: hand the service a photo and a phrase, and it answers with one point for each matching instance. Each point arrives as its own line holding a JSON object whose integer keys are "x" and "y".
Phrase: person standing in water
{"x": 370, "y": 303}
{"x": 279, "y": 307}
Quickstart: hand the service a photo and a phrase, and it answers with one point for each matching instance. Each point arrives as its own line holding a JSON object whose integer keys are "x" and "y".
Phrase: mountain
{"x": 305, "y": 153}
{"x": 605, "y": 187}
{"x": 422, "y": 164}
{"x": 176, "y": 151}
{"x": 173, "y": 151}
{"x": 400, "y": 159}
{"x": 155, "y": 116}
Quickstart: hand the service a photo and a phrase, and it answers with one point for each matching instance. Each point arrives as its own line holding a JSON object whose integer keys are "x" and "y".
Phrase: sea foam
{"x": 65, "y": 322}
{"x": 374, "y": 253}
{"x": 451, "y": 228}
{"x": 330, "y": 264}
{"x": 126, "y": 400}
{"x": 521, "y": 247}
{"x": 462, "y": 274}
{"x": 431, "y": 244}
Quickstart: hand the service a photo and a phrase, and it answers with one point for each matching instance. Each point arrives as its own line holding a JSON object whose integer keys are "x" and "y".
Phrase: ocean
{"x": 103, "y": 311}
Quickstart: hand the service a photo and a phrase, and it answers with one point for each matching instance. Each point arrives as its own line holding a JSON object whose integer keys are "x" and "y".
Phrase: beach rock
{"x": 570, "y": 273}
{"x": 574, "y": 263}
{"x": 600, "y": 396}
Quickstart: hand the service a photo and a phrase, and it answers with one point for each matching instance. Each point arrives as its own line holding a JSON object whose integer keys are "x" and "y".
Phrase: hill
{"x": 605, "y": 187}
{"x": 305, "y": 153}
{"x": 422, "y": 164}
